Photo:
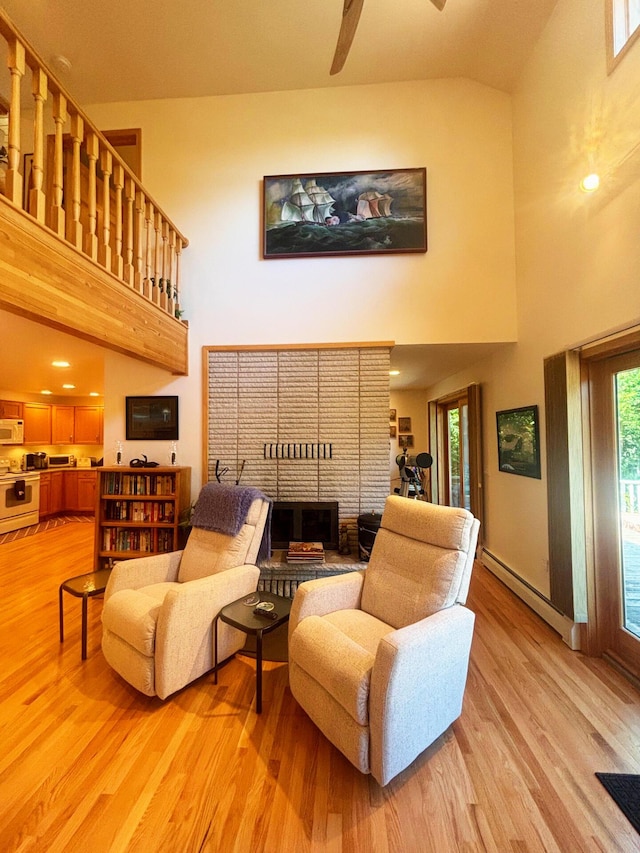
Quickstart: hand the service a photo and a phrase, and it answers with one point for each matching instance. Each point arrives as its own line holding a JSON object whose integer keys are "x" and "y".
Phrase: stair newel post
{"x": 129, "y": 194}
{"x": 57, "y": 210}
{"x": 13, "y": 181}
{"x": 36, "y": 193}
{"x": 138, "y": 240}
{"x": 104, "y": 252}
{"x": 118, "y": 185}
{"x": 148, "y": 224}
{"x": 74, "y": 225}
{"x": 166, "y": 273}
{"x": 157, "y": 261}
{"x": 91, "y": 241}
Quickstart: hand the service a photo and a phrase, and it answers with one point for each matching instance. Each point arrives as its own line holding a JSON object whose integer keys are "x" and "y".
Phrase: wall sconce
{"x": 590, "y": 183}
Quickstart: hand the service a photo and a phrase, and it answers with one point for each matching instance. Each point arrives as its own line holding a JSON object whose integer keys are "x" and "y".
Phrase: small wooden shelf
{"x": 138, "y": 511}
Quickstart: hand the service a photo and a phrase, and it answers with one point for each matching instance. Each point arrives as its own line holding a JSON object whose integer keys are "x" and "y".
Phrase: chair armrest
{"x": 326, "y": 595}
{"x": 417, "y": 685}
{"x": 142, "y": 571}
{"x": 185, "y": 622}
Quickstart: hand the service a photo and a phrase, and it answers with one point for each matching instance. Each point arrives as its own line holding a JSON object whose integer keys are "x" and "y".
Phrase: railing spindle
{"x": 147, "y": 266}
{"x": 138, "y": 275}
{"x": 118, "y": 185}
{"x": 104, "y": 250}
{"x": 57, "y": 210}
{"x": 157, "y": 221}
{"x": 14, "y": 179}
{"x": 129, "y": 193}
{"x": 74, "y": 234}
{"x": 36, "y": 194}
{"x": 92, "y": 237}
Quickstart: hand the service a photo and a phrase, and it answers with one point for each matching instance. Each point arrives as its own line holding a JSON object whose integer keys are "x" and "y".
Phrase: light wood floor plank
{"x": 88, "y": 764}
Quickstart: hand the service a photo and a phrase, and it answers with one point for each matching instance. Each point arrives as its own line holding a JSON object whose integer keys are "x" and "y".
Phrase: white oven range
{"x": 19, "y": 499}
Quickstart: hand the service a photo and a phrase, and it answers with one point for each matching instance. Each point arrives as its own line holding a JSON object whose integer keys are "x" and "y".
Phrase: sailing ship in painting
{"x": 345, "y": 213}
{"x": 310, "y": 203}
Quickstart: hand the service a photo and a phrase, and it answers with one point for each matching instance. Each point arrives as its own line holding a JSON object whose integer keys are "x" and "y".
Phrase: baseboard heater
{"x": 568, "y": 630}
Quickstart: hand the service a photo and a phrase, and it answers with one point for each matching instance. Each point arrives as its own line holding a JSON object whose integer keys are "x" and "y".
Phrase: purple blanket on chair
{"x": 224, "y": 509}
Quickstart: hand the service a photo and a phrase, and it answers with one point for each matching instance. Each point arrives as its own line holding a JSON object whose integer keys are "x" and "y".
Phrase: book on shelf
{"x": 305, "y": 552}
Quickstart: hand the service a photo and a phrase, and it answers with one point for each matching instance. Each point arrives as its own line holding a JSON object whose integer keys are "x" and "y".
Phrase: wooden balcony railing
{"x": 72, "y": 181}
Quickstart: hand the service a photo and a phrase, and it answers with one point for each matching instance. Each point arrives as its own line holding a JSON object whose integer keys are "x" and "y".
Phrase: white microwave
{"x": 11, "y": 431}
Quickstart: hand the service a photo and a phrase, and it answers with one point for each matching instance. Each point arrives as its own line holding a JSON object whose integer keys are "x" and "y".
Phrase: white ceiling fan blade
{"x": 350, "y": 18}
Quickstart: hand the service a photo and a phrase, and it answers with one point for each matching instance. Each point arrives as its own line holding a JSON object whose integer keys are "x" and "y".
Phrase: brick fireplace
{"x": 310, "y": 423}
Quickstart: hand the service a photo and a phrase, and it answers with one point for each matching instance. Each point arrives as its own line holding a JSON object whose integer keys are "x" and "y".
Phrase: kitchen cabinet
{"x": 67, "y": 491}
{"x": 51, "y": 493}
{"x": 88, "y": 421}
{"x": 52, "y": 424}
{"x": 62, "y": 424}
{"x": 87, "y": 481}
{"x": 11, "y": 409}
{"x": 37, "y": 423}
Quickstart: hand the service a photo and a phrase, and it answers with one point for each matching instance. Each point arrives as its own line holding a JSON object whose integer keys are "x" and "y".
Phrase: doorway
{"x": 455, "y": 428}
{"x": 614, "y": 396}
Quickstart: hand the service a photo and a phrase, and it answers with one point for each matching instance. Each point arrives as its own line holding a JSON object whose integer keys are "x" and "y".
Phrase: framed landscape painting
{"x": 345, "y": 213}
{"x": 519, "y": 441}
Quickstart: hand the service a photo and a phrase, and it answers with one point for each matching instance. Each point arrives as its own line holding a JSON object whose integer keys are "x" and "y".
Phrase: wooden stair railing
{"x": 82, "y": 190}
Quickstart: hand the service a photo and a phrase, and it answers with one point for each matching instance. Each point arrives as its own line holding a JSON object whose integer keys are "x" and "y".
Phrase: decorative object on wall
{"x": 152, "y": 418}
{"x": 345, "y": 213}
{"x": 519, "y": 441}
{"x": 404, "y": 424}
{"x": 392, "y": 415}
{"x": 405, "y": 441}
{"x": 392, "y": 430}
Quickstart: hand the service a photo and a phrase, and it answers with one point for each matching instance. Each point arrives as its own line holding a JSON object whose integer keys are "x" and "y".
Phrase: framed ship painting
{"x": 345, "y": 213}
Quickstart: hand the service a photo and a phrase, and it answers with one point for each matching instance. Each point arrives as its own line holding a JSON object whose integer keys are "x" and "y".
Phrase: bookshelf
{"x": 138, "y": 511}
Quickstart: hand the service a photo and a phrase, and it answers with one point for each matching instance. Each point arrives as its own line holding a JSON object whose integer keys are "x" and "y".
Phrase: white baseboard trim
{"x": 567, "y": 628}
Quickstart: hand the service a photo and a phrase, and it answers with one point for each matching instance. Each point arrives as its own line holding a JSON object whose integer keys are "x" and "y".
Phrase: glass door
{"x": 615, "y": 427}
{"x": 455, "y": 422}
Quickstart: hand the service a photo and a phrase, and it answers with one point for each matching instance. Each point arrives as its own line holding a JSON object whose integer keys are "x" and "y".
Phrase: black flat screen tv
{"x": 152, "y": 418}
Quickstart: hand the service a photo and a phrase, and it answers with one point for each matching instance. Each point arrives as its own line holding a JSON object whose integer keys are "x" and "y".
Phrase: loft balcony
{"x": 83, "y": 246}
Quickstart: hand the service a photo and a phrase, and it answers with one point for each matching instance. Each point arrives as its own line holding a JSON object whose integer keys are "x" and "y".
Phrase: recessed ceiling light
{"x": 590, "y": 183}
{"x": 93, "y": 394}
{"x": 60, "y": 364}
{"x": 394, "y": 373}
{"x": 68, "y": 385}
{"x": 46, "y": 392}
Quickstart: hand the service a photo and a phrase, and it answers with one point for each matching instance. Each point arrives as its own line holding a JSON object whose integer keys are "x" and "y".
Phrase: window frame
{"x": 613, "y": 59}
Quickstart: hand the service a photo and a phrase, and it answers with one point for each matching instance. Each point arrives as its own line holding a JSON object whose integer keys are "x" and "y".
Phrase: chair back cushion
{"x": 420, "y": 561}
{"x": 208, "y": 552}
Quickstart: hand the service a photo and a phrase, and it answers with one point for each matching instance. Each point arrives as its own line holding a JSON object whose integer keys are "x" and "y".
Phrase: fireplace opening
{"x": 304, "y": 521}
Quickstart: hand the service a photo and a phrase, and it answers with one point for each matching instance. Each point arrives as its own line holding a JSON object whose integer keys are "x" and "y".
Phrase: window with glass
{"x": 624, "y": 22}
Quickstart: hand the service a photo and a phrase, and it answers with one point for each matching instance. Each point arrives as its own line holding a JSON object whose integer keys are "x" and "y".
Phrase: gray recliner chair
{"x": 378, "y": 658}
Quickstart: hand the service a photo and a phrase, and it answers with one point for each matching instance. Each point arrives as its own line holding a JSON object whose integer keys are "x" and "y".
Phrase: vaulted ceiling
{"x": 123, "y": 50}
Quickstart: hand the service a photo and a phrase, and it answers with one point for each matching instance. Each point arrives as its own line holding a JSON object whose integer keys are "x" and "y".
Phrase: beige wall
{"x": 408, "y": 404}
{"x": 204, "y": 159}
{"x": 576, "y": 256}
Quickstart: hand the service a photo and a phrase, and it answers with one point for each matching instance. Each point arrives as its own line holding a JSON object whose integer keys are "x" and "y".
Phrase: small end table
{"x": 240, "y": 615}
{"x": 84, "y": 587}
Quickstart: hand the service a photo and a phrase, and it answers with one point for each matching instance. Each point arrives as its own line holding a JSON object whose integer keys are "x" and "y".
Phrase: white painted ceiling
{"x": 124, "y": 50}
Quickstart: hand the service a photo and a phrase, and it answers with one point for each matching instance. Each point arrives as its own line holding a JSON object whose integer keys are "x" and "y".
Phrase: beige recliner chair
{"x": 378, "y": 658}
{"x": 159, "y": 610}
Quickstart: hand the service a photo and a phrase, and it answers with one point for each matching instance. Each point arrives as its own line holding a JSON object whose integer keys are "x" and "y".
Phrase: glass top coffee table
{"x": 241, "y": 614}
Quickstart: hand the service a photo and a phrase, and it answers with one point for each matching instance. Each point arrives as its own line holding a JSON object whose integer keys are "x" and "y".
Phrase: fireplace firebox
{"x": 305, "y": 521}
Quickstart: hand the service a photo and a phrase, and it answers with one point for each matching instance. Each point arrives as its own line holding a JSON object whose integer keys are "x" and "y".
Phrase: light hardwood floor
{"x": 88, "y": 764}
